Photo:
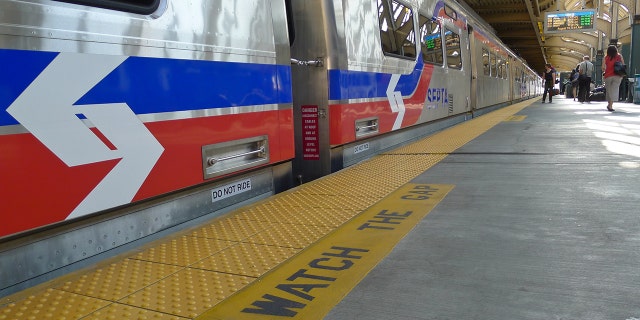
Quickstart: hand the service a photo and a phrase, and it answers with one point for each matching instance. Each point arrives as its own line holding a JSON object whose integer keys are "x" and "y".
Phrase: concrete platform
{"x": 543, "y": 223}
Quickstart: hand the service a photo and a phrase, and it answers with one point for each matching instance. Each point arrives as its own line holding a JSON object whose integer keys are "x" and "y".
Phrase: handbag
{"x": 575, "y": 76}
{"x": 619, "y": 68}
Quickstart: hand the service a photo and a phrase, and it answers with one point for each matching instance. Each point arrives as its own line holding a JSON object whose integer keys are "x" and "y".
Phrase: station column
{"x": 633, "y": 65}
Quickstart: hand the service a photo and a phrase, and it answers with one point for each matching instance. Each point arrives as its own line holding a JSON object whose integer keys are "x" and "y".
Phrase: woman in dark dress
{"x": 549, "y": 76}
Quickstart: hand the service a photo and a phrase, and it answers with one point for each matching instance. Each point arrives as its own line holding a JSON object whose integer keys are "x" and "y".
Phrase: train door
{"x": 458, "y": 62}
{"x": 510, "y": 66}
{"x": 474, "y": 68}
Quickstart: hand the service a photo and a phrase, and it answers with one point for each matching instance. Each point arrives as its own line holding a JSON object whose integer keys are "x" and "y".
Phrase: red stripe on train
{"x": 38, "y": 189}
{"x": 343, "y": 116}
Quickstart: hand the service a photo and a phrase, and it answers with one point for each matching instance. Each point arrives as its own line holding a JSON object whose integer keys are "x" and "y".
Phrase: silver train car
{"x": 123, "y": 120}
{"x": 392, "y": 71}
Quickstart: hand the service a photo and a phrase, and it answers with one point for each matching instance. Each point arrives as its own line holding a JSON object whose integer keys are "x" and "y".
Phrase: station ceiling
{"x": 519, "y": 24}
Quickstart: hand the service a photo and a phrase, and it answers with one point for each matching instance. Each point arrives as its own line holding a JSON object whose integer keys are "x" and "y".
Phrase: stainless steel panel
{"x": 280, "y": 33}
{"x": 316, "y": 37}
{"x": 362, "y": 37}
{"x": 197, "y": 29}
{"x": 353, "y": 153}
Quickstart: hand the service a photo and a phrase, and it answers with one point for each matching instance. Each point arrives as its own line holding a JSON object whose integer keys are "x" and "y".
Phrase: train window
{"x": 133, "y": 6}
{"x": 454, "y": 54}
{"x": 290, "y": 25}
{"x": 485, "y": 62}
{"x": 500, "y": 67}
{"x": 494, "y": 64}
{"x": 396, "y": 29}
{"x": 450, "y": 12}
{"x": 431, "y": 41}
{"x": 505, "y": 68}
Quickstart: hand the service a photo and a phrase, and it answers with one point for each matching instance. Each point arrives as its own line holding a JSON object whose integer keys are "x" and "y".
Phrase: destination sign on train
{"x": 570, "y": 21}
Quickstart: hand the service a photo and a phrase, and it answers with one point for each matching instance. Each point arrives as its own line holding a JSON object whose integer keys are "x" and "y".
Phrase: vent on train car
{"x": 226, "y": 157}
{"x": 367, "y": 126}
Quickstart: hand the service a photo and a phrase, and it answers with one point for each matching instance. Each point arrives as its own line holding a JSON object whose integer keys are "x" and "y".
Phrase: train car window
{"x": 494, "y": 64}
{"x": 454, "y": 55}
{"x": 431, "y": 41}
{"x": 450, "y": 12}
{"x": 485, "y": 62}
{"x": 397, "y": 34}
{"x": 290, "y": 25}
{"x": 505, "y": 68}
{"x": 133, "y": 6}
{"x": 500, "y": 67}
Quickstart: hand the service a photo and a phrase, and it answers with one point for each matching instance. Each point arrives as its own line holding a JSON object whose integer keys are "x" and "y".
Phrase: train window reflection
{"x": 450, "y": 12}
{"x": 502, "y": 67}
{"x": 494, "y": 64}
{"x": 431, "y": 41}
{"x": 396, "y": 29}
{"x": 485, "y": 62}
{"x": 454, "y": 59}
{"x": 134, "y": 6}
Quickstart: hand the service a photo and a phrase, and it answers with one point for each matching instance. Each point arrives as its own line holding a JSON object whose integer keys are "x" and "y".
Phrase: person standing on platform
{"x": 585, "y": 68}
{"x": 611, "y": 79}
{"x": 574, "y": 82}
{"x": 549, "y": 76}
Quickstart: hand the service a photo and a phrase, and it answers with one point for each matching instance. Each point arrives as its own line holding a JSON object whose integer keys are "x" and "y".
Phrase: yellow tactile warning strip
{"x": 189, "y": 274}
{"x": 308, "y": 285}
{"x": 118, "y": 280}
{"x": 187, "y": 293}
{"x": 515, "y": 118}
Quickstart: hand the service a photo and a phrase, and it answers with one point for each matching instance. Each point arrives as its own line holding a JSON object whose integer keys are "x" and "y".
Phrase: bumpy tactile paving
{"x": 188, "y": 293}
{"x": 229, "y": 229}
{"x": 247, "y": 259}
{"x": 118, "y": 311}
{"x": 118, "y": 280}
{"x": 52, "y": 304}
{"x": 290, "y": 235}
{"x": 183, "y": 251}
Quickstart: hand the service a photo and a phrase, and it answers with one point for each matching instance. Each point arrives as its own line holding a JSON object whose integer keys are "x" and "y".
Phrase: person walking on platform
{"x": 585, "y": 68}
{"x": 549, "y": 76}
{"x": 611, "y": 79}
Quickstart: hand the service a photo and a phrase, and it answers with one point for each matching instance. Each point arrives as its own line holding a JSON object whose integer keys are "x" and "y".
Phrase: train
{"x": 122, "y": 119}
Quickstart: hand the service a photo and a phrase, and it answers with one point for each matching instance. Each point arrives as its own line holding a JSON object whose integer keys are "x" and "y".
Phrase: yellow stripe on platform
{"x": 515, "y": 118}
{"x": 311, "y": 283}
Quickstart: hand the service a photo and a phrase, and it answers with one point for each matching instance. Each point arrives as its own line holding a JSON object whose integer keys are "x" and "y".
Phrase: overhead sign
{"x": 570, "y": 21}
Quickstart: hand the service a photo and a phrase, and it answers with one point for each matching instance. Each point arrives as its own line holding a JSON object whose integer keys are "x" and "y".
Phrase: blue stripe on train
{"x": 153, "y": 85}
{"x": 345, "y": 84}
{"x": 19, "y": 69}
